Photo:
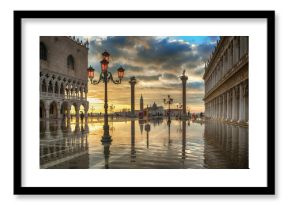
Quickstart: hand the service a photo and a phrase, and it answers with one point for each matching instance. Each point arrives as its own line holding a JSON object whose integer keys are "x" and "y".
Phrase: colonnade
{"x": 231, "y": 106}
{"x": 60, "y": 86}
{"x": 229, "y": 57}
{"x": 56, "y": 109}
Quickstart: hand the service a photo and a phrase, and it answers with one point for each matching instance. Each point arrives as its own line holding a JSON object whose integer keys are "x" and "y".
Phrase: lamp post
{"x": 112, "y": 107}
{"x": 105, "y": 77}
{"x": 168, "y": 101}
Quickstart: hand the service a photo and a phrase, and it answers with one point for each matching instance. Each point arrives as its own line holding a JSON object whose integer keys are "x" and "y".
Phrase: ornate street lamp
{"x": 168, "y": 101}
{"x": 105, "y": 77}
{"x": 91, "y": 73}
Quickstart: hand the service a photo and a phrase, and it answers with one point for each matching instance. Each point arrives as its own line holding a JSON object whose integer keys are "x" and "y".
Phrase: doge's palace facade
{"x": 63, "y": 77}
{"x": 226, "y": 81}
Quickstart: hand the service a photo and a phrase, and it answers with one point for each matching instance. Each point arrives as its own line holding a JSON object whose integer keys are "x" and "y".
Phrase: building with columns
{"x": 226, "y": 81}
{"x": 63, "y": 77}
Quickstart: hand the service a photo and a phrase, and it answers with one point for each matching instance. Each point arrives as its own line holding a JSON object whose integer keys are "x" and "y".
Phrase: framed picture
{"x": 144, "y": 102}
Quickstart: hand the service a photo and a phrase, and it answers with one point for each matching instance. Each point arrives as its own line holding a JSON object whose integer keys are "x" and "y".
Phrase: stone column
{"x": 213, "y": 108}
{"x": 237, "y": 103}
{"x": 216, "y": 107}
{"x": 228, "y": 106}
{"x": 53, "y": 88}
{"x": 86, "y": 110}
{"x": 46, "y": 105}
{"x": 82, "y": 93}
{"x": 225, "y": 106}
{"x": 68, "y": 92}
{"x": 68, "y": 111}
{"x": 210, "y": 110}
{"x": 233, "y": 105}
{"x": 58, "y": 89}
{"x": 221, "y": 107}
{"x": 246, "y": 96}
{"x": 77, "y": 113}
{"x": 241, "y": 104}
{"x": 133, "y": 83}
{"x": 59, "y": 131}
{"x": 46, "y": 83}
{"x": 58, "y": 110}
{"x": 208, "y": 113}
{"x": 184, "y": 78}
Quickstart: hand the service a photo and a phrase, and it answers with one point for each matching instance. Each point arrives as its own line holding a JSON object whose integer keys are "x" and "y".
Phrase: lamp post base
{"x": 106, "y": 139}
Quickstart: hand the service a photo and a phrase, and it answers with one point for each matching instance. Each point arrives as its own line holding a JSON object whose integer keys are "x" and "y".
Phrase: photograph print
{"x": 144, "y": 102}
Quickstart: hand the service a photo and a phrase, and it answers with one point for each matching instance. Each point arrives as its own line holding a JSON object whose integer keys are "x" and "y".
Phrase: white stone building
{"x": 63, "y": 77}
{"x": 154, "y": 110}
{"x": 226, "y": 81}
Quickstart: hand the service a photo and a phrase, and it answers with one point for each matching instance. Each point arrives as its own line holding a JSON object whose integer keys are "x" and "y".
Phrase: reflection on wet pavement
{"x": 139, "y": 144}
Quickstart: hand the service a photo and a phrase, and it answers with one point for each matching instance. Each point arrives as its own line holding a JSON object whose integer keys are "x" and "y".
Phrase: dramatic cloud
{"x": 156, "y": 62}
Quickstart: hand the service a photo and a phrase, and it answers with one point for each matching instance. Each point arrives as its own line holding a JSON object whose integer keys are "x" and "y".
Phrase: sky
{"x": 156, "y": 62}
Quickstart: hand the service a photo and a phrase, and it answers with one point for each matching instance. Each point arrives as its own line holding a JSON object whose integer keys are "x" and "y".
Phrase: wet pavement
{"x": 140, "y": 144}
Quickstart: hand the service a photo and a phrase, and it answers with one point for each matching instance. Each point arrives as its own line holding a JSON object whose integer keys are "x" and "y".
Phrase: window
{"x": 70, "y": 62}
{"x": 43, "y": 51}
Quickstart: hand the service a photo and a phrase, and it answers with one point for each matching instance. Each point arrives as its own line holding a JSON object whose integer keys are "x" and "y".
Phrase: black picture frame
{"x": 269, "y": 189}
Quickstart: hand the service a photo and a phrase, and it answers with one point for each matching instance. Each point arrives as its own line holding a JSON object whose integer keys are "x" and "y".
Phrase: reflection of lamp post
{"x": 168, "y": 124}
{"x": 105, "y": 77}
{"x": 168, "y": 101}
{"x": 147, "y": 129}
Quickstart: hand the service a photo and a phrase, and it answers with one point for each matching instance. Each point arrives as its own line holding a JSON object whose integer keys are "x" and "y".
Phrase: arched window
{"x": 70, "y": 62}
{"x": 43, "y": 51}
